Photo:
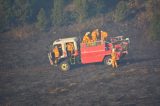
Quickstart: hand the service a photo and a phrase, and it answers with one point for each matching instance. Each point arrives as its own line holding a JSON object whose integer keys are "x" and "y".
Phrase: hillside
{"x": 26, "y": 78}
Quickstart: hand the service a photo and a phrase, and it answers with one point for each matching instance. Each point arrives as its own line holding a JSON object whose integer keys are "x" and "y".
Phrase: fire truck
{"x": 99, "y": 51}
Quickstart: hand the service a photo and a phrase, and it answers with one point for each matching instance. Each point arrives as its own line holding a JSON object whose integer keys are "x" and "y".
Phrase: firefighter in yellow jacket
{"x": 70, "y": 48}
{"x": 114, "y": 57}
{"x": 56, "y": 54}
{"x": 86, "y": 38}
{"x": 104, "y": 35}
{"x": 94, "y": 35}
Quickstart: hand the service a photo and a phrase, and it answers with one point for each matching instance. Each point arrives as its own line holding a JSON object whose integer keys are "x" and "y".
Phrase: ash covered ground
{"x": 27, "y": 79}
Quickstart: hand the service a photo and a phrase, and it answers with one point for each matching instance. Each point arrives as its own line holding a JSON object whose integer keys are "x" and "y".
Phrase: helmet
{"x": 127, "y": 38}
{"x": 87, "y": 33}
{"x": 113, "y": 50}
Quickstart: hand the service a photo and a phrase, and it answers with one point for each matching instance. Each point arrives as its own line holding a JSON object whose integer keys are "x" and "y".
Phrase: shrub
{"x": 155, "y": 27}
{"x": 120, "y": 11}
{"x": 153, "y": 8}
{"x": 41, "y": 20}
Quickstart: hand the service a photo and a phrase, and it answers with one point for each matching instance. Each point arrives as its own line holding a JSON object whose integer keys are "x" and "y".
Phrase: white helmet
{"x": 87, "y": 33}
{"x": 127, "y": 38}
{"x": 113, "y": 49}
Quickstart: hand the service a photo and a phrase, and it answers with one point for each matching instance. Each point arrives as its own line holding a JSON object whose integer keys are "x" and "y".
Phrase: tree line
{"x": 46, "y": 13}
{"x": 51, "y": 13}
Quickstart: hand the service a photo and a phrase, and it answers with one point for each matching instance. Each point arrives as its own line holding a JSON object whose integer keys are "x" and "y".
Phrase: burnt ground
{"x": 26, "y": 78}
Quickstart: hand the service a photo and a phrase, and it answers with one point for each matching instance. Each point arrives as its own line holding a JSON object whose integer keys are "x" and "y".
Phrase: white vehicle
{"x": 61, "y": 43}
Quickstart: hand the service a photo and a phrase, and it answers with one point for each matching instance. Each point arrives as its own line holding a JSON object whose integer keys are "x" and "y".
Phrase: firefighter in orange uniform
{"x": 86, "y": 38}
{"x": 56, "y": 53}
{"x": 104, "y": 36}
{"x": 70, "y": 48}
{"x": 114, "y": 57}
{"x": 94, "y": 35}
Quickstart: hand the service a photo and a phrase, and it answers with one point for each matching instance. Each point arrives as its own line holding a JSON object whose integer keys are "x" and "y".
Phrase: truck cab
{"x": 62, "y": 45}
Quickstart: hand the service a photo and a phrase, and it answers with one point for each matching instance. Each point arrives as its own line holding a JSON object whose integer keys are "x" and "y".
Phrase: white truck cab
{"x": 61, "y": 44}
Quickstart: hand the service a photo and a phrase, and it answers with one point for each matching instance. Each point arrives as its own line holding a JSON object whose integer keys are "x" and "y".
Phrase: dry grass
{"x": 79, "y": 29}
{"x": 56, "y": 90}
{"x": 22, "y": 32}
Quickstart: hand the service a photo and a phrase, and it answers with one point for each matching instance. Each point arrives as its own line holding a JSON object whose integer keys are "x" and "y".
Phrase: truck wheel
{"x": 107, "y": 60}
{"x": 64, "y": 66}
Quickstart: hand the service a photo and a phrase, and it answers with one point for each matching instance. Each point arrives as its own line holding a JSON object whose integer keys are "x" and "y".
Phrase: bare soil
{"x": 27, "y": 79}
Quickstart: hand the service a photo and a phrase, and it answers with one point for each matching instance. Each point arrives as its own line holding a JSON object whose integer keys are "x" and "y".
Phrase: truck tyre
{"x": 64, "y": 66}
{"x": 108, "y": 61}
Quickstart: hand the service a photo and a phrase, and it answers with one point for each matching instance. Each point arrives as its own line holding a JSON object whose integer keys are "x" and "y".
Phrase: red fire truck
{"x": 99, "y": 51}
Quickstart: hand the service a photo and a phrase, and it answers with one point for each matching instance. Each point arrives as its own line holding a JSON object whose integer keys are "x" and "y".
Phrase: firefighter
{"x": 56, "y": 54}
{"x": 86, "y": 38}
{"x": 94, "y": 35}
{"x": 114, "y": 57}
{"x": 70, "y": 48}
{"x": 104, "y": 35}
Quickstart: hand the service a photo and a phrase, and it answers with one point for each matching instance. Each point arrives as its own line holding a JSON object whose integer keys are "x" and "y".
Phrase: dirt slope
{"x": 27, "y": 79}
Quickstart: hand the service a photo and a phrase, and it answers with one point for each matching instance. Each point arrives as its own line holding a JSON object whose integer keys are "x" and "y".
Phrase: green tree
{"x": 6, "y": 13}
{"x": 41, "y": 20}
{"x": 120, "y": 11}
{"x": 100, "y": 6}
{"x": 22, "y": 10}
{"x": 57, "y": 12}
{"x": 155, "y": 27}
{"x": 81, "y": 9}
{"x": 153, "y": 13}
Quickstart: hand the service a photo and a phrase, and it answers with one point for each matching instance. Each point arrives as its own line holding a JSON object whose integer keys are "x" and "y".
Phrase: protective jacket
{"x": 86, "y": 39}
{"x": 70, "y": 47}
{"x": 56, "y": 52}
{"x": 104, "y": 35}
{"x": 94, "y": 35}
{"x": 114, "y": 57}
